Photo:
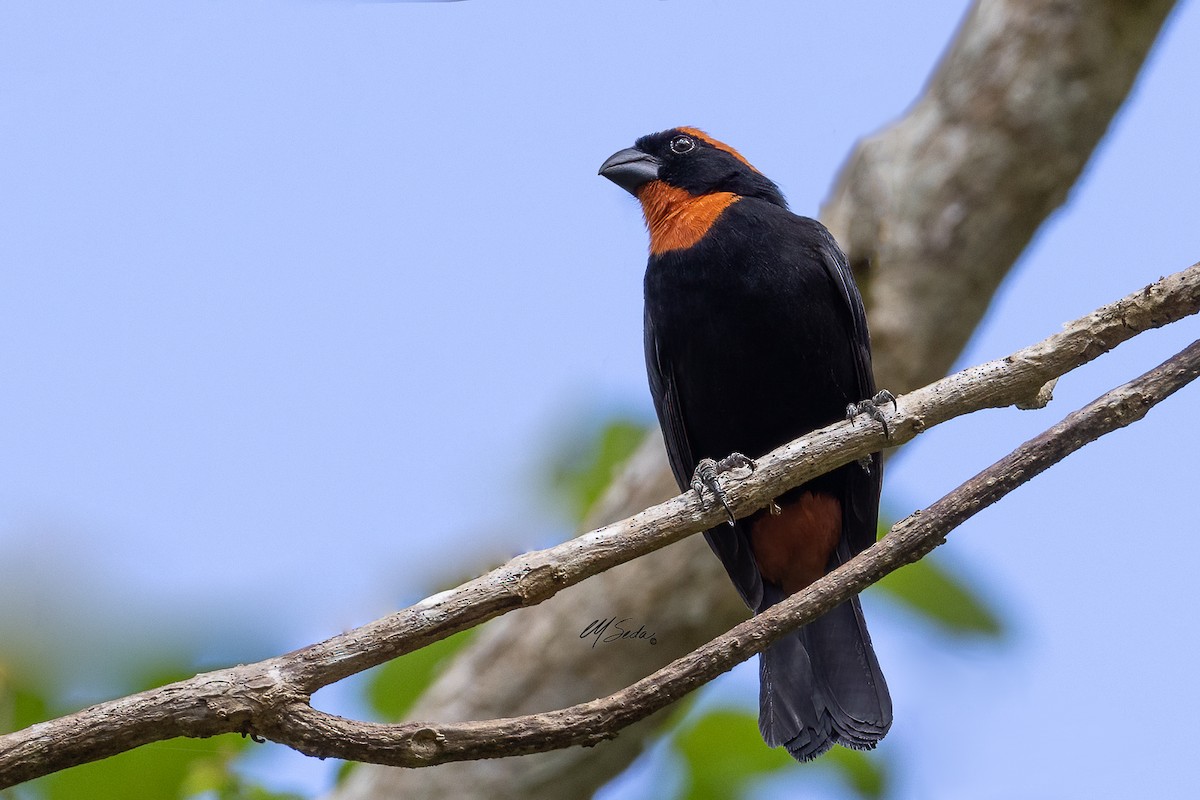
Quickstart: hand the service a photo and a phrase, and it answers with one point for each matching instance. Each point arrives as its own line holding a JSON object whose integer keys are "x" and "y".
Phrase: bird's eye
{"x": 682, "y": 144}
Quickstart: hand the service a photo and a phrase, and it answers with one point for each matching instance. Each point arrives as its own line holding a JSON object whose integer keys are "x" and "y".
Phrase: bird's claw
{"x": 870, "y": 407}
{"x": 707, "y": 472}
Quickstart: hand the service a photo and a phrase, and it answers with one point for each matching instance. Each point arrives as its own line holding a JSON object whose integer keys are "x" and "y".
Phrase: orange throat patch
{"x": 676, "y": 219}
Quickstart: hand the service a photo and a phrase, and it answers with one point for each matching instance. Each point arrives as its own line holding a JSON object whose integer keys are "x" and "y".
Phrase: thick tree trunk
{"x": 934, "y": 210}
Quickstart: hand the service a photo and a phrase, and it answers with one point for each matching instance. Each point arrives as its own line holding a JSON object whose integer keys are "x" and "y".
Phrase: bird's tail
{"x": 821, "y": 685}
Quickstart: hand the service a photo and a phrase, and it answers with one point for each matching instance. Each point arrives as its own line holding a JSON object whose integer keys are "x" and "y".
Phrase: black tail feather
{"x": 822, "y": 686}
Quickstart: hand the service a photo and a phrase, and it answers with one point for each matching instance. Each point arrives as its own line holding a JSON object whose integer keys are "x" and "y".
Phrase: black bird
{"x": 755, "y": 335}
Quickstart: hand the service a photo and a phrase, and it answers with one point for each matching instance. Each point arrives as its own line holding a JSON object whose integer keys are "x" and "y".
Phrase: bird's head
{"x": 684, "y": 179}
{"x": 688, "y": 159}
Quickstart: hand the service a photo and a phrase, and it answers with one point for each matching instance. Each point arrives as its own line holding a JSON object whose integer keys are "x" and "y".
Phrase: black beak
{"x": 630, "y": 169}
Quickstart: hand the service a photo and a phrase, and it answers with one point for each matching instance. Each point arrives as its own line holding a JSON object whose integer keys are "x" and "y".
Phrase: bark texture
{"x": 934, "y": 210}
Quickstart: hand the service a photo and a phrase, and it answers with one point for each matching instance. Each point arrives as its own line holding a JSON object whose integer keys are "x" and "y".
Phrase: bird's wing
{"x": 666, "y": 402}
{"x": 730, "y": 544}
{"x": 834, "y": 261}
{"x": 862, "y": 496}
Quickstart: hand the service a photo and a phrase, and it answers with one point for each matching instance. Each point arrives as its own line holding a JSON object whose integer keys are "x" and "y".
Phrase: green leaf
{"x": 394, "y": 687}
{"x": 244, "y": 791}
{"x": 586, "y": 466}
{"x": 177, "y": 768}
{"x": 235, "y": 788}
{"x": 932, "y": 591}
{"x": 723, "y": 753}
{"x": 157, "y": 771}
{"x": 215, "y": 777}
{"x": 20, "y": 706}
{"x": 862, "y": 772}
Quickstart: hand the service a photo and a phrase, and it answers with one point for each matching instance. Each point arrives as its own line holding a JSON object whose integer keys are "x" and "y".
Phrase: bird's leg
{"x": 707, "y": 472}
{"x": 870, "y": 407}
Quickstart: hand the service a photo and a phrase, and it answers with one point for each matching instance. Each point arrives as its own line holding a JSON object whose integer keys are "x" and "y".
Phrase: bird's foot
{"x": 870, "y": 407}
{"x": 707, "y": 472}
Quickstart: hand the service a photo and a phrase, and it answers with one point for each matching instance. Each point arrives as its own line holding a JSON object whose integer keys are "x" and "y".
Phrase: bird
{"x": 755, "y": 334}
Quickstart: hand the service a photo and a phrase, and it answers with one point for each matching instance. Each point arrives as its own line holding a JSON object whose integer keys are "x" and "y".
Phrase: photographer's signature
{"x": 612, "y": 629}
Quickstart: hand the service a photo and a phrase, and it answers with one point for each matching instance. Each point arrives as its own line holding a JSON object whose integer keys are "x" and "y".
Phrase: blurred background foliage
{"x": 204, "y": 769}
{"x": 717, "y": 750}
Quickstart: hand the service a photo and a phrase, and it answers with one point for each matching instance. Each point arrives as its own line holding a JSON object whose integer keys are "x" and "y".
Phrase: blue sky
{"x": 297, "y": 297}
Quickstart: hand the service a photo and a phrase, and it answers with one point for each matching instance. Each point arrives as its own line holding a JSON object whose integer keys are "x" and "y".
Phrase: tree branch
{"x": 269, "y": 697}
{"x": 424, "y": 744}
